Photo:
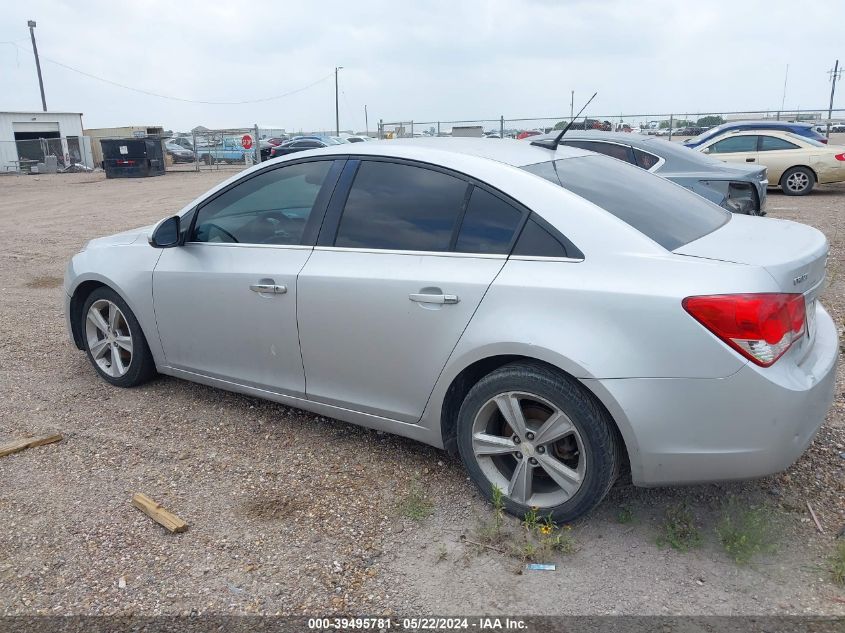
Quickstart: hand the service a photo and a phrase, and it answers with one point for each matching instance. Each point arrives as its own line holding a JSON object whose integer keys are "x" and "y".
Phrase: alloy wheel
{"x": 529, "y": 448}
{"x": 797, "y": 181}
{"x": 109, "y": 338}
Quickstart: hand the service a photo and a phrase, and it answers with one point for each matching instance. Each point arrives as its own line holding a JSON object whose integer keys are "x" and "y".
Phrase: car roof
{"x": 679, "y": 158}
{"x": 771, "y": 124}
{"x": 756, "y": 132}
{"x": 507, "y": 151}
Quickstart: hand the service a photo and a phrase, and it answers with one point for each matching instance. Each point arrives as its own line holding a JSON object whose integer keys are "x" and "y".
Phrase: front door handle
{"x": 427, "y": 298}
{"x": 749, "y": 160}
{"x": 270, "y": 289}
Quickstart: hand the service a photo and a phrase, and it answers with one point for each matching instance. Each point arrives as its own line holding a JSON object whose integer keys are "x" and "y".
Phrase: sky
{"x": 422, "y": 60}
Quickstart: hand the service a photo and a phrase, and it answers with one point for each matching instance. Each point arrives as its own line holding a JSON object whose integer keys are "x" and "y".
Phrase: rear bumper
{"x": 754, "y": 423}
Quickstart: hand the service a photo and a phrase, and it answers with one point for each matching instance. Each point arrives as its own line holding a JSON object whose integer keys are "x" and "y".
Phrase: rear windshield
{"x": 807, "y": 139}
{"x": 667, "y": 213}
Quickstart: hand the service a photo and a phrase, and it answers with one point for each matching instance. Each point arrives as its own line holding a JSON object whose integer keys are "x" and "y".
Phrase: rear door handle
{"x": 749, "y": 160}
{"x": 271, "y": 289}
{"x": 426, "y": 298}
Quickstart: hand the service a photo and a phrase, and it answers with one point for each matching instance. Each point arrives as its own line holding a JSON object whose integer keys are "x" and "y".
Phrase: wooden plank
{"x": 15, "y": 446}
{"x": 157, "y": 513}
{"x": 815, "y": 518}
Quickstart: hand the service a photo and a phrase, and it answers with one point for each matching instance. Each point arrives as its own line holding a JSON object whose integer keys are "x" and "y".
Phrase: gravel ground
{"x": 295, "y": 513}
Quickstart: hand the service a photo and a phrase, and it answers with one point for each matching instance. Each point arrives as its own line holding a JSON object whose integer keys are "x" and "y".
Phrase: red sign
{"x": 246, "y": 141}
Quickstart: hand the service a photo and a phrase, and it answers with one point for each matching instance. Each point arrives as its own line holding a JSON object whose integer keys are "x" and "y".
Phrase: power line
{"x": 172, "y": 98}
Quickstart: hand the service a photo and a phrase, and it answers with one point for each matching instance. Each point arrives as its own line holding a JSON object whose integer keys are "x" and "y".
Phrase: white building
{"x": 30, "y": 136}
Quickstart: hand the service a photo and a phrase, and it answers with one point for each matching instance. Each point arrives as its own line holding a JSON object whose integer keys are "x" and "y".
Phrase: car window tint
{"x": 488, "y": 225}
{"x": 772, "y": 143}
{"x": 608, "y": 149}
{"x": 401, "y": 207}
{"x": 270, "y": 208}
{"x": 645, "y": 159}
{"x": 538, "y": 242}
{"x": 735, "y": 144}
{"x": 665, "y": 212}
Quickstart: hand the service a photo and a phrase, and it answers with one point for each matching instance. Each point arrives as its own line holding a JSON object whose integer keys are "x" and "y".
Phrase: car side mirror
{"x": 706, "y": 150}
{"x": 166, "y": 233}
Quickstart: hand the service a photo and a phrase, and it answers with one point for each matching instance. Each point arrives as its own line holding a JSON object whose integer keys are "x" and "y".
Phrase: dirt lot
{"x": 294, "y": 513}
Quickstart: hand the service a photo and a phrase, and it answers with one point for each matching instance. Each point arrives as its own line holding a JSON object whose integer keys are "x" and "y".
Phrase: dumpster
{"x": 132, "y": 157}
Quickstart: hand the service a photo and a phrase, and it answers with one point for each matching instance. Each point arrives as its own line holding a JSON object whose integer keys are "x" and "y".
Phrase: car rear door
{"x": 225, "y": 301}
{"x": 404, "y": 257}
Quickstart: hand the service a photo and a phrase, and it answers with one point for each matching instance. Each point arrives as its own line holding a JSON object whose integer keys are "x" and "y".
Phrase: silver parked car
{"x": 554, "y": 317}
{"x": 738, "y": 188}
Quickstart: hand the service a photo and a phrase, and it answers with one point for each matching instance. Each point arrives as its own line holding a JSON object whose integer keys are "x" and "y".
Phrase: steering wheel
{"x": 211, "y": 225}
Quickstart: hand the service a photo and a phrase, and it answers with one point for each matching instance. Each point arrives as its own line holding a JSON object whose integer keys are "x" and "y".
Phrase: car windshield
{"x": 704, "y": 135}
{"x": 663, "y": 211}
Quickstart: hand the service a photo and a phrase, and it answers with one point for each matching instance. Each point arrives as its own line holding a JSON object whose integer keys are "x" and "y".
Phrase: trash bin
{"x": 132, "y": 157}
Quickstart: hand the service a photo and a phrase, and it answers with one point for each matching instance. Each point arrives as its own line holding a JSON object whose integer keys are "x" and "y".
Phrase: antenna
{"x": 553, "y": 143}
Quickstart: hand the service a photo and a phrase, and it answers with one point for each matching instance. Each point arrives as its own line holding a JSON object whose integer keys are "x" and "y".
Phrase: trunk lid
{"x": 794, "y": 254}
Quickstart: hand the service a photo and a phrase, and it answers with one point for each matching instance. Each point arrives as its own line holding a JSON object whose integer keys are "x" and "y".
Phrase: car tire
{"x": 208, "y": 159}
{"x": 567, "y": 477}
{"x": 797, "y": 181}
{"x": 114, "y": 342}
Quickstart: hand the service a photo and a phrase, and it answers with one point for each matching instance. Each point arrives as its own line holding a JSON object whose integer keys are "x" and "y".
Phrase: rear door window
{"x": 401, "y": 207}
{"x": 663, "y": 211}
{"x": 489, "y": 224}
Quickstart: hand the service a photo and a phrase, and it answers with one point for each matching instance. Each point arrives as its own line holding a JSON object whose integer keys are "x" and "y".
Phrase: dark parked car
{"x": 301, "y": 143}
{"x": 737, "y": 188}
{"x": 801, "y": 129}
{"x": 178, "y": 153}
{"x": 296, "y": 145}
{"x": 691, "y": 130}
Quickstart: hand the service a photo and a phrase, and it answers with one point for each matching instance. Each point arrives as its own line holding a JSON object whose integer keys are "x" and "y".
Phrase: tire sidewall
{"x": 571, "y": 398}
{"x": 137, "y": 369}
{"x": 803, "y": 192}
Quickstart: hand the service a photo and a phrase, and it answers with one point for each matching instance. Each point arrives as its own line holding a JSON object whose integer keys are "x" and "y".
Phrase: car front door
{"x": 404, "y": 257}
{"x": 777, "y": 155}
{"x": 225, "y": 301}
{"x": 741, "y": 148}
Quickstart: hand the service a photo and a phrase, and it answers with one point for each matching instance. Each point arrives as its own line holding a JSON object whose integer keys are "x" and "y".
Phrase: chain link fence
{"x": 47, "y": 155}
{"x": 672, "y": 125}
{"x": 200, "y": 149}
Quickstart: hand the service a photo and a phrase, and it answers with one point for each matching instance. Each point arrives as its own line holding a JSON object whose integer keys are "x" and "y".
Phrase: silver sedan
{"x": 556, "y": 318}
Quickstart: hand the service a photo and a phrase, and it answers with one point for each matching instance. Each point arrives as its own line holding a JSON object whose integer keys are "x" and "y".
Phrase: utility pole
{"x": 572, "y": 106}
{"x": 366, "y": 122}
{"x": 31, "y": 25}
{"x": 336, "y": 103}
{"x": 785, "y": 77}
{"x": 835, "y": 74}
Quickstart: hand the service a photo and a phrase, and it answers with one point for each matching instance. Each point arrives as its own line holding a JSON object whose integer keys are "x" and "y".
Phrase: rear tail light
{"x": 761, "y": 327}
{"x": 823, "y": 140}
{"x": 742, "y": 197}
{"x": 840, "y": 156}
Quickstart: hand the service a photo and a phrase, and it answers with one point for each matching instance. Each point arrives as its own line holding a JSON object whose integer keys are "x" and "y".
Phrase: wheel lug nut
{"x": 518, "y": 455}
{"x": 516, "y": 440}
{"x": 541, "y": 449}
{"x": 529, "y": 435}
{"x": 532, "y": 461}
